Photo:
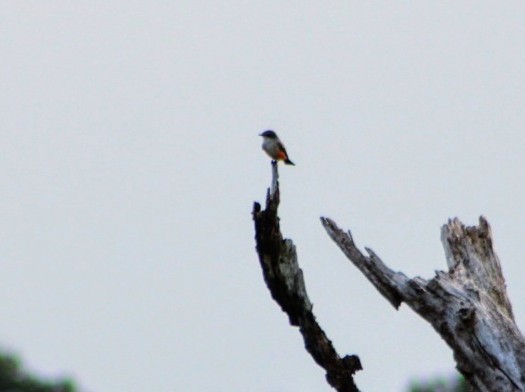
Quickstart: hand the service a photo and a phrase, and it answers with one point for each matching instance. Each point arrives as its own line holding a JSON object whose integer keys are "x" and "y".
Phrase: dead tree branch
{"x": 467, "y": 305}
{"x": 284, "y": 279}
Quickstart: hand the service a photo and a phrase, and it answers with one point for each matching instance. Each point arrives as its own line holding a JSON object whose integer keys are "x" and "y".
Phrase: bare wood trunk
{"x": 284, "y": 279}
{"x": 468, "y": 305}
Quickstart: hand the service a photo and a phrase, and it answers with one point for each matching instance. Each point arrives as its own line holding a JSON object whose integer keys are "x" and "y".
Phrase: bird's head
{"x": 269, "y": 134}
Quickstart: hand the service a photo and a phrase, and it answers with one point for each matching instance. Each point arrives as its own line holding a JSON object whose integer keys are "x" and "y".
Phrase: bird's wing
{"x": 281, "y": 147}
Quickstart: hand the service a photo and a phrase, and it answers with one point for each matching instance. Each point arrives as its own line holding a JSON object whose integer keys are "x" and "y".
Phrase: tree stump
{"x": 467, "y": 305}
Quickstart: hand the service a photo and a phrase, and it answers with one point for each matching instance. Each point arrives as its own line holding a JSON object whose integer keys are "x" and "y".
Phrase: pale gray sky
{"x": 130, "y": 161}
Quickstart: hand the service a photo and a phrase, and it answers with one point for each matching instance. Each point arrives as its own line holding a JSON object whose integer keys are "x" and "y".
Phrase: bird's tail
{"x": 288, "y": 162}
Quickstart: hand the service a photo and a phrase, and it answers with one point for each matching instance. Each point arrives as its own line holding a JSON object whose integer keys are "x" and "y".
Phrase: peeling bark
{"x": 467, "y": 305}
{"x": 285, "y": 281}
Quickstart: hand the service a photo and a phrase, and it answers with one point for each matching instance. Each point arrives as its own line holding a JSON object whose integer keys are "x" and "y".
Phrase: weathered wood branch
{"x": 285, "y": 281}
{"x": 467, "y": 305}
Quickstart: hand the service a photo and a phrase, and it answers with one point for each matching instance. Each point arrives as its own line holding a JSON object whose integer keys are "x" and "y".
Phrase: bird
{"x": 273, "y": 146}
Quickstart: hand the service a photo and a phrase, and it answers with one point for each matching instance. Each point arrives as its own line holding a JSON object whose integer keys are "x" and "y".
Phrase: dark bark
{"x": 284, "y": 279}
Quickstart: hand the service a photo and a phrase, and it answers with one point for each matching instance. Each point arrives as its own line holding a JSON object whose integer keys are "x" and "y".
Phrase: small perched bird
{"x": 274, "y": 147}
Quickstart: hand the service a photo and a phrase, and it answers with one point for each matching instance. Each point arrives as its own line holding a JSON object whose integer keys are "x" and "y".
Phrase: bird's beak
{"x": 260, "y": 134}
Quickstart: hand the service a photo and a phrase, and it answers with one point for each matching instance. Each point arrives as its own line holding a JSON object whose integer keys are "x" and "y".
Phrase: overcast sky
{"x": 130, "y": 161}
